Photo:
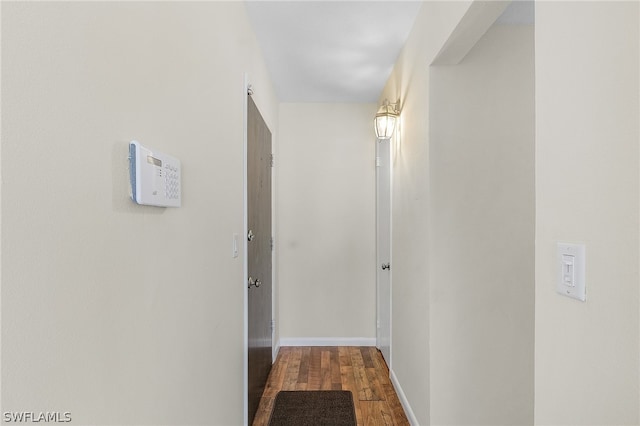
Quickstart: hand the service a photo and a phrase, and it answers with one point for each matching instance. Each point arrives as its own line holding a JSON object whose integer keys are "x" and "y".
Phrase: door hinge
{"x": 272, "y": 325}
{"x": 377, "y": 161}
{"x": 271, "y": 243}
{"x": 271, "y": 160}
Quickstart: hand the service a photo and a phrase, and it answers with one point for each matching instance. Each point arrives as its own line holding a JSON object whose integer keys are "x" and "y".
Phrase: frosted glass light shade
{"x": 385, "y": 121}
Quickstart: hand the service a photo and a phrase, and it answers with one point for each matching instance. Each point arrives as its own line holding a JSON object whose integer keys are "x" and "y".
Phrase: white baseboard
{"x": 403, "y": 400}
{"x": 327, "y": 341}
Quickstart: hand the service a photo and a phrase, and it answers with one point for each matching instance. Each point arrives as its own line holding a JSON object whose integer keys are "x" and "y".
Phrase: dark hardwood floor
{"x": 361, "y": 370}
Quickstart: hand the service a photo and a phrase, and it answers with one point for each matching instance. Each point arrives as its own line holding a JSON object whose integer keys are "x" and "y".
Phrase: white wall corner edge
{"x": 327, "y": 341}
{"x": 403, "y": 400}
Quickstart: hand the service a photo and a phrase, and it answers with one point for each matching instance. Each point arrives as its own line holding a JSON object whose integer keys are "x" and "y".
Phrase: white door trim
{"x": 245, "y": 251}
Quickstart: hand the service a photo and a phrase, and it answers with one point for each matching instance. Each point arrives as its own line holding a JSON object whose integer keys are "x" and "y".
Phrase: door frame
{"x": 389, "y": 361}
{"x": 245, "y": 251}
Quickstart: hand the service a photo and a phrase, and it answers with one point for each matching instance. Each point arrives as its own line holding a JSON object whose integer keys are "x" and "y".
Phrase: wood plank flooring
{"x": 361, "y": 370}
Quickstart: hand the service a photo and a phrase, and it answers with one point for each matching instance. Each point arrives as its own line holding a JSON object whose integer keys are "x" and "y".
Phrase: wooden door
{"x": 383, "y": 248}
{"x": 259, "y": 255}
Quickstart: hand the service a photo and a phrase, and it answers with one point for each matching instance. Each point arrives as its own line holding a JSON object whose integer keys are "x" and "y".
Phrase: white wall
{"x": 124, "y": 314}
{"x": 587, "y": 135}
{"x": 326, "y": 220}
{"x": 482, "y": 217}
{"x": 587, "y": 138}
{"x": 409, "y": 82}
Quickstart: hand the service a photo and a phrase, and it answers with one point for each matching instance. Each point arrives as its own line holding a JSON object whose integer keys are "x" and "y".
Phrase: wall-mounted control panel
{"x": 155, "y": 177}
{"x": 570, "y": 279}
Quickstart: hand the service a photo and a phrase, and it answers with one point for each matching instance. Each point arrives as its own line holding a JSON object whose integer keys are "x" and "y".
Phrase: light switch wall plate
{"x": 570, "y": 264}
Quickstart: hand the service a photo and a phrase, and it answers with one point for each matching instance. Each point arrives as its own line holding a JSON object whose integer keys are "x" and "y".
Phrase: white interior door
{"x": 383, "y": 248}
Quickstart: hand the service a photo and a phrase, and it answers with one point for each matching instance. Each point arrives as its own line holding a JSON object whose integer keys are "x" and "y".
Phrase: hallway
{"x": 361, "y": 370}
{"x": 516, "y": 135}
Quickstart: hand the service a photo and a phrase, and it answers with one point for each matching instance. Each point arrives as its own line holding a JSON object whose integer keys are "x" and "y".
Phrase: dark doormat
{"x": 313, "y": 408}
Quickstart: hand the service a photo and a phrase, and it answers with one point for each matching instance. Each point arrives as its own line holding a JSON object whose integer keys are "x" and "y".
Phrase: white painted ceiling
{"x": 331, "y": 51}
{"x": 519, "y": 12}
{"x": 339, "y": 51}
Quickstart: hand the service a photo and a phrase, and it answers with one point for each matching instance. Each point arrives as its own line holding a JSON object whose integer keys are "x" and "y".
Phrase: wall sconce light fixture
{"x": 385, "y": 121}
